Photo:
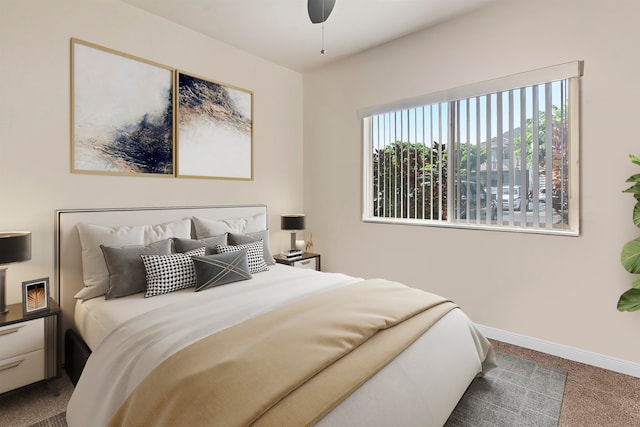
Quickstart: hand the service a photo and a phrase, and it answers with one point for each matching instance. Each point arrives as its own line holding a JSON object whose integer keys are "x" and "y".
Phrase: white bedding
{"x": 129, "y": 338}
{"x": 96, "y": 318}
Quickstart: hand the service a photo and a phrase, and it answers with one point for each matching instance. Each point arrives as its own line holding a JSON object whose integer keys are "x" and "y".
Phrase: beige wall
{"x": 559, "y": 289}
{"x": 35, "y": 177}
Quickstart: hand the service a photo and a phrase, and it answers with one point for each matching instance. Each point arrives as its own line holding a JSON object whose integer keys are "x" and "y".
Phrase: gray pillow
{"x": 209, "y": 243}
{"x": 220, "y": 269}
{"x": 236, "y": 239}
{"x": 127, "y": 275}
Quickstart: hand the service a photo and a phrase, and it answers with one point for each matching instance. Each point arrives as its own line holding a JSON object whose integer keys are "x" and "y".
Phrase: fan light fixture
{"x": 319, "y": 11}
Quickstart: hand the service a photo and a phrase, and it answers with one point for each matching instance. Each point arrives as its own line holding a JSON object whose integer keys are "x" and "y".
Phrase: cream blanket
{"x": 286, "y": 367}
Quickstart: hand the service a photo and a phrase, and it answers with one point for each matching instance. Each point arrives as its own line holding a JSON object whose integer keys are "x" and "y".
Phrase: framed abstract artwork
{"x": 121, "y": 113}
{"x": 214, "y": 129}
{"x": 35, "y": 296}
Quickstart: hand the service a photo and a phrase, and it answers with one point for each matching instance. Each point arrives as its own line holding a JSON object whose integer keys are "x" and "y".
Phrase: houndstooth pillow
{"x": 169, "y": 273}
{"x": 255, "y": 254}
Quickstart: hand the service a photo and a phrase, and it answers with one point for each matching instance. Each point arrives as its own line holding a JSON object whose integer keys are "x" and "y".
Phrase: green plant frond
{"x": 635, "y": 188}
{"x": 630, "y": 256}
{"x": 636, "y": 214}
{"x": 630, "y": 300}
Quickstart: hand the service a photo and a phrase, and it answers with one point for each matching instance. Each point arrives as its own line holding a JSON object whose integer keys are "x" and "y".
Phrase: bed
{"x": 131, "y": 341}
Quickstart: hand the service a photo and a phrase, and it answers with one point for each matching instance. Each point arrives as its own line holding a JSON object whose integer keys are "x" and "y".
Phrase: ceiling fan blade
{"x": 315, "y": 8}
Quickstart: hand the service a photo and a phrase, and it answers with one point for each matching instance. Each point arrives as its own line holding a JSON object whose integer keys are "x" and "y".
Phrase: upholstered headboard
{"x": 69, "y": 279}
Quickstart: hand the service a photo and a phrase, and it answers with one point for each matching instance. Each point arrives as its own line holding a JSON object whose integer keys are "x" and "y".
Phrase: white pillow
{"x": 206, "y": 227}
{"x": 94, "y": 268}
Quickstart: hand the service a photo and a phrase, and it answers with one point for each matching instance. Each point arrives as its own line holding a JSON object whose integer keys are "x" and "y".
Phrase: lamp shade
{"x": 292, "y": 222}
{"x": 15, "y": 246}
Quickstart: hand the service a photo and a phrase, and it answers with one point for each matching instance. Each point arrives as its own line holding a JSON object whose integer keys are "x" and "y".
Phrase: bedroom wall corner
{"x": 557, "y": 289}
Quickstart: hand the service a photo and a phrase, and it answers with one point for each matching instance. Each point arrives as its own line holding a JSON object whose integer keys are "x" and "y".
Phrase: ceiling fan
{"x": 319, "y": 10}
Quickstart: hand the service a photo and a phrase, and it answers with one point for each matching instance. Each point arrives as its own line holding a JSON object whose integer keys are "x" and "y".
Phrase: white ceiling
{"x": 280, "y": 30}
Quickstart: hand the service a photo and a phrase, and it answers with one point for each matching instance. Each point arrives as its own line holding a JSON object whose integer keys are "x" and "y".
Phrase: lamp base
{"x": 3, "y": 304}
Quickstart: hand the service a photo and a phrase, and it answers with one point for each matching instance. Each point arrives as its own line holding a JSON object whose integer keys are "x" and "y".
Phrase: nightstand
{"x": 30, "y": 350}
{"x": 307, "y": 260}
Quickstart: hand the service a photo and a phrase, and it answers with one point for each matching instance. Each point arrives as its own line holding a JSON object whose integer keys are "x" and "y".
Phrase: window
{"x": 500, "y": 154}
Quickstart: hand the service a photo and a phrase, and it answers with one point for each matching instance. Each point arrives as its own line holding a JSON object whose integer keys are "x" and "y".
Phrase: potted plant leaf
{"x": 630, "y": 257}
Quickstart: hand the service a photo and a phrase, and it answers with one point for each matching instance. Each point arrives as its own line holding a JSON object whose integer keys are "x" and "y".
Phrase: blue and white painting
{"x": 122, "y": 115}
{"x": 215, "y": 134}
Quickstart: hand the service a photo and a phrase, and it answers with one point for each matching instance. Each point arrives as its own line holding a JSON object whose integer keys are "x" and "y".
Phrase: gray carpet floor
{"x": 58, "y": 420}
{"x": 519, "y": 392}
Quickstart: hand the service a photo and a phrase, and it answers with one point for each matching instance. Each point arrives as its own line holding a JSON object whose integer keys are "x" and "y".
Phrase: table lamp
{"x": 15, "y": 246}
{"x": 292, "y": 222}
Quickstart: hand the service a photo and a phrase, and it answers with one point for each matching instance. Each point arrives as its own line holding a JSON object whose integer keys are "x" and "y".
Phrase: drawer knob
{"x": 10, "y": 331}
{"x": 11, "y": 365}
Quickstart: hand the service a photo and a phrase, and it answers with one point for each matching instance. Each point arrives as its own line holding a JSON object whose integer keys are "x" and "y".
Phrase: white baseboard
{"x": 564, "y": 351}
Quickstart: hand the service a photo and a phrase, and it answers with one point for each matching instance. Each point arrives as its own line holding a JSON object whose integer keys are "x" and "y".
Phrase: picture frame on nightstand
{"x": 35, "y": 296}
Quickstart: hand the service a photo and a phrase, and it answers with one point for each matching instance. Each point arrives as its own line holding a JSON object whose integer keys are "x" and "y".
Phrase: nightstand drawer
{"x": 20, "y": 338}
{"x": 310, "y": 263}
{"x": 307, "y": 260}
{"x": 21, "y": 370}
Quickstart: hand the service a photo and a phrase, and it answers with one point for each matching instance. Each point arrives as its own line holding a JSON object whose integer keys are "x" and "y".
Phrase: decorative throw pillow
{"x": 184, "y": 245}
{"x": 94, "y": 268}
{"x": 220, "y": 269}
{"x": 240, "y": 239}
{"x": 170, "y": 273}
{"x": 255, "y": 255}
{"x": 206, "y": 227}
{"x": 126, "y": 270}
